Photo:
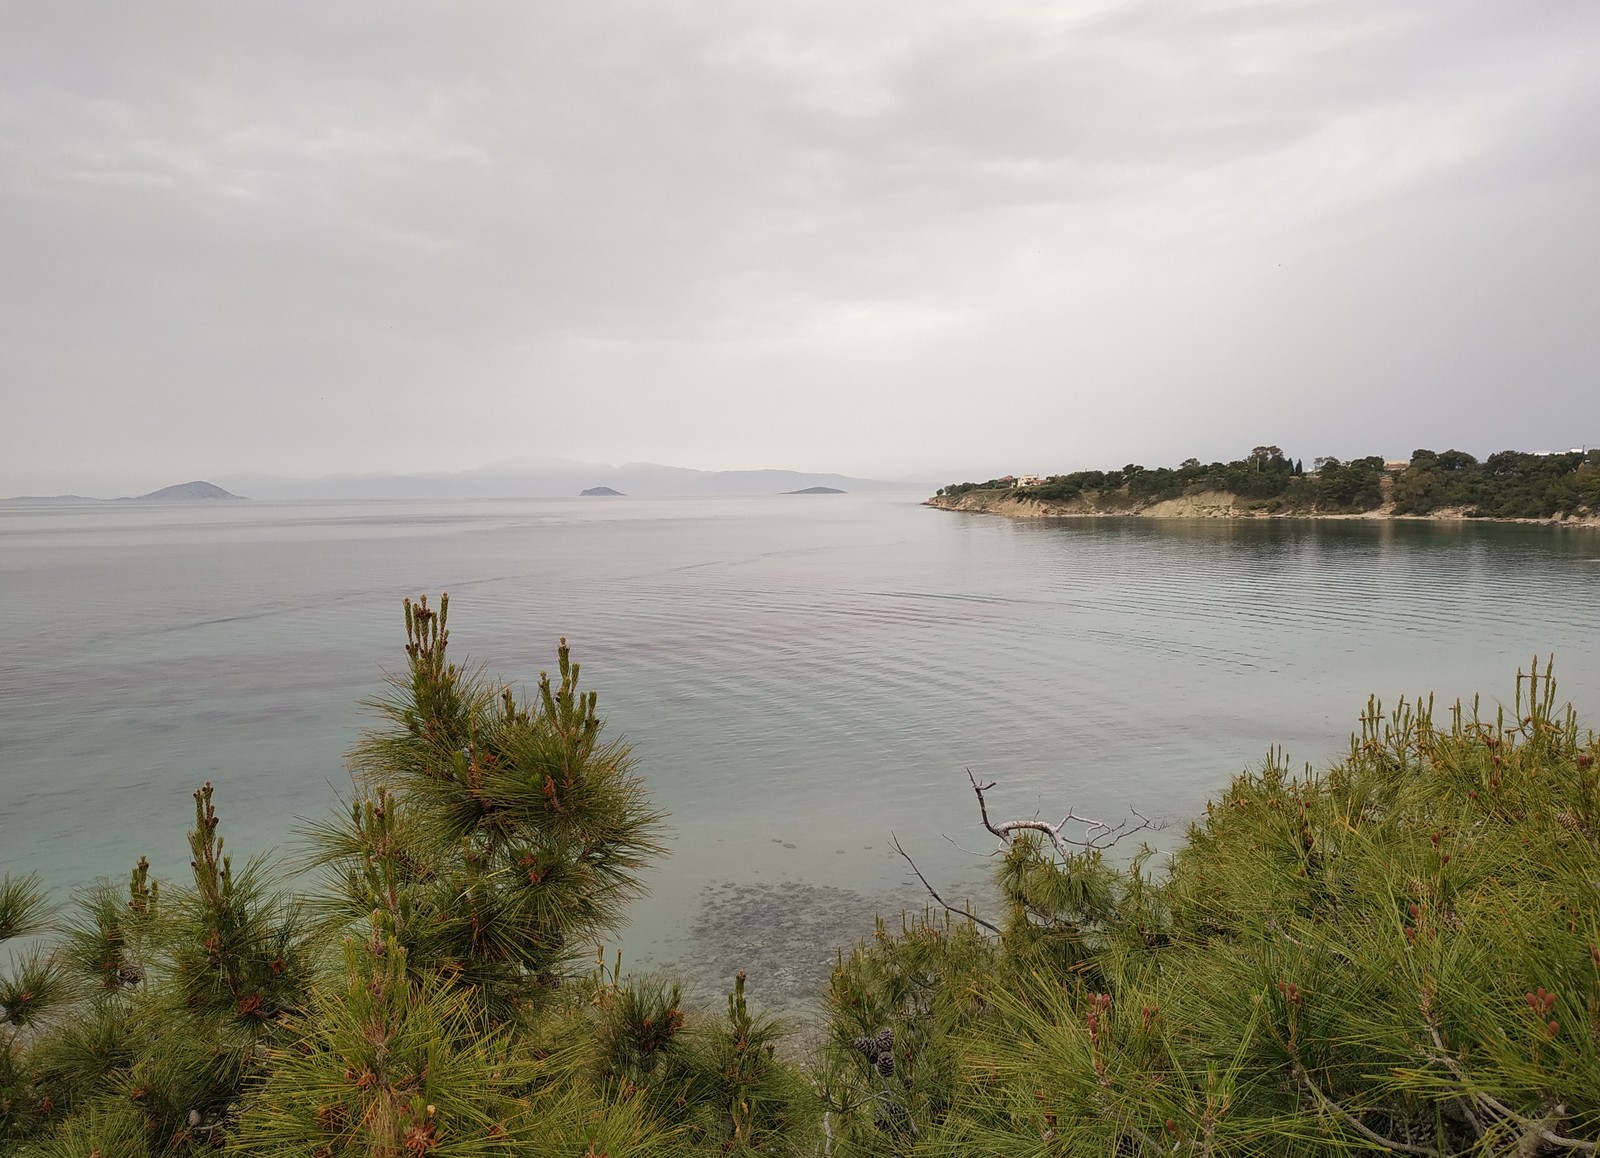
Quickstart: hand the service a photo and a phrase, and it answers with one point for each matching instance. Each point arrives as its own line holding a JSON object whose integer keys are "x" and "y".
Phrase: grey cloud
{"x": 266, "y": 237}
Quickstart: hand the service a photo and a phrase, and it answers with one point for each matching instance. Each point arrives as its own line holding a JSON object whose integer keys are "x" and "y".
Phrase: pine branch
{"x": 1533, "y": 1128}
{"x": 1356, "y": 1124}
{"x": 24, "y": 907}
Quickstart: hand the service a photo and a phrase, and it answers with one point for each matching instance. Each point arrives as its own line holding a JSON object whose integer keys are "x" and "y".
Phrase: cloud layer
{"x": 877, "y": 238}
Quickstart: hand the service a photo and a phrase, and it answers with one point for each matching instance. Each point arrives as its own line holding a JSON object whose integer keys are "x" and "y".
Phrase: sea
{"x": 805, "y": 680}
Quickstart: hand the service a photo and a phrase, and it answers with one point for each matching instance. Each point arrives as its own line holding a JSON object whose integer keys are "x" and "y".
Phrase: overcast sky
{"x": 872, "y": 237}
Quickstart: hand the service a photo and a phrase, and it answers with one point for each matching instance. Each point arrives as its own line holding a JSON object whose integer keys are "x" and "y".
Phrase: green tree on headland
{"x": 1508, "y": 484}
{"x": 1505, "y": 485}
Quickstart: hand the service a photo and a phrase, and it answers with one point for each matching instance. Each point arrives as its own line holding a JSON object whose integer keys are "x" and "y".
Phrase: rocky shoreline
{"x": 1015, "y": 504}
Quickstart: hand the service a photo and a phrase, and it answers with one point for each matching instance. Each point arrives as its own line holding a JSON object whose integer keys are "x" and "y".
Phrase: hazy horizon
{"x": 884, "y": 240}
{"x": 562, "y": 475}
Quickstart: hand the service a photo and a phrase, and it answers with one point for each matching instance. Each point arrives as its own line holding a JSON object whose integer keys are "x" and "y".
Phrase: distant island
{"x": 1509, "y": 485}
{"x": 187, "y": 492}
{"x": 817, "y": 491}
{"x": 600, "y": 493}
{"x": 45, "y": 500}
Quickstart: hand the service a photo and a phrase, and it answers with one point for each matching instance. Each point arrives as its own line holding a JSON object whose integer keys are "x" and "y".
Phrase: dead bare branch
{"x": 1098, "y": 836}
{"x": 962, "y": 847}
{"x": 894, "y": 842}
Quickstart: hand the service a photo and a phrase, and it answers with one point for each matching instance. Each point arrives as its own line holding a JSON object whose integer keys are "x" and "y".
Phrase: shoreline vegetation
{"x": 1399, "y": 954}
{"x": 1510, "y": 486}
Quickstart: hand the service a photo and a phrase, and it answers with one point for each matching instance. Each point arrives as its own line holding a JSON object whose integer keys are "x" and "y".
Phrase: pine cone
{"x": 878, "y": 1050}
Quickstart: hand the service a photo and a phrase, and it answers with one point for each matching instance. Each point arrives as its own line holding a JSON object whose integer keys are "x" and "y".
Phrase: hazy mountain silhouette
{"x": 187, "y": 492}
{"x": 552, "y": 479}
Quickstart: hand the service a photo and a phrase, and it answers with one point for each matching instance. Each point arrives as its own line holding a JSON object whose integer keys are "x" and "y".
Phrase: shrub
{"x": 1401, "y": 954}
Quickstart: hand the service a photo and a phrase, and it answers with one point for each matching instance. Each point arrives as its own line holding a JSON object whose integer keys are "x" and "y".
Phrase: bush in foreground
{"x": 429, "y": 997}
{"x": 1399, "y": 955}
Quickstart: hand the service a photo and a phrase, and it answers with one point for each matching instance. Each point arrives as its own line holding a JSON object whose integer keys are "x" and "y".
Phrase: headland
{"x": 1510, "y": 486}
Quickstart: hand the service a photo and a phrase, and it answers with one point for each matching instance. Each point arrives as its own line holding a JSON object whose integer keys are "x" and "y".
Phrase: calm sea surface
{"x": 798, "y": 675}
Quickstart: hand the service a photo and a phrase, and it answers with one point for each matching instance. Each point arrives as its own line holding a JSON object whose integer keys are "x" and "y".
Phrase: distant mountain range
{"x": 41, "y": 500}
{"x": 557, "y": 479}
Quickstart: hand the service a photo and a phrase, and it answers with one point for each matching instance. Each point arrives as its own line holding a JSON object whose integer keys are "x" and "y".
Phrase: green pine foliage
{"x": 1400, "y": 954}
{"x": 751, "y": 1102}
{"x": 386, "y": 1064}
{"x": 900, "y": 1009}
{"x": 501, "y": 838}
{"x": 717, "y": 1082}
{"x": 31, "y": 985}
{"x": 147, "y": 1022}
{"x": 424, "y": 993}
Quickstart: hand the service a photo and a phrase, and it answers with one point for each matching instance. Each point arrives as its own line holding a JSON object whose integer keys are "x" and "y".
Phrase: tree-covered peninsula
{"x": 1507, "y": 485}
{"x": 1398, "y": 955}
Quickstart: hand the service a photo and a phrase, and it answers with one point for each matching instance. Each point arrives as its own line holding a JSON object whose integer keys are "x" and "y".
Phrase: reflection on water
{"x": 798, "y": 675}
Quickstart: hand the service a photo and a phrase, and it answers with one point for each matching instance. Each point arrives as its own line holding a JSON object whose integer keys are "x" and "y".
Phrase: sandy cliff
{"x": 1016, "y": 504}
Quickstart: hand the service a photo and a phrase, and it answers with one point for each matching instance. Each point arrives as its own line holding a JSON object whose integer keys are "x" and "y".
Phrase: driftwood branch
{"x": 894, "y": 842}
{"x": 1097, "y": 835}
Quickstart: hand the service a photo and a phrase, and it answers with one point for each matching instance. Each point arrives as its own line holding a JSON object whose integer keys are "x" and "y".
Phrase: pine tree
{"x": 754, "y": 1102}
{"x": 32, "y": 986}
{"x": 426, "y": 1002}
{"x": 499, "y": 838}
{"x": 386, "y": 1065}
{"x": 147, "y": 1023}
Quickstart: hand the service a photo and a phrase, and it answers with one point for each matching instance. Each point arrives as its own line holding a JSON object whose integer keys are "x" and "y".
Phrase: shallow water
{"x": 799, "y": 675}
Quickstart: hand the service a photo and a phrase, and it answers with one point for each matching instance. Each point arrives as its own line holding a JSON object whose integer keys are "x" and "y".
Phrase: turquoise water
{"x": 799, "y": 675}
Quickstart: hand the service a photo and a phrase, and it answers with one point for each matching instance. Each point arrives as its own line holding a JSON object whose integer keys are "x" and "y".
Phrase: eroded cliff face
{"x": 1012, "y": 504}
{"x": 1016, "y": 504}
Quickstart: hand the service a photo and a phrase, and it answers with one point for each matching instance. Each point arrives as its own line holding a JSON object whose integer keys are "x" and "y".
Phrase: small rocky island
{"x": 600, "y": 493}
{"x": 187, "y": 492}
{"x": 817, "y": 491}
